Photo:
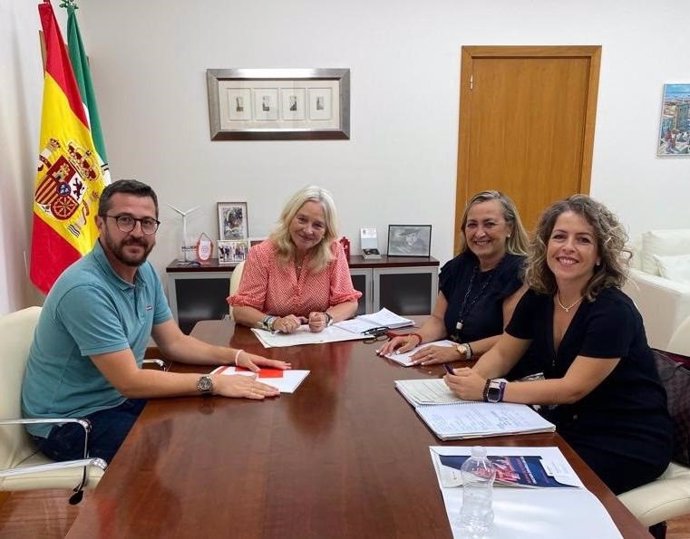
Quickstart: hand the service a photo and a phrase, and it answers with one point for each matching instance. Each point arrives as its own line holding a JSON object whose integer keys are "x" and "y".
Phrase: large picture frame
{"x": 674, "y": 126}
{"x": 232, "y": 221}
{"x": 278, "y": 104}
{"x": 409, "y": 240}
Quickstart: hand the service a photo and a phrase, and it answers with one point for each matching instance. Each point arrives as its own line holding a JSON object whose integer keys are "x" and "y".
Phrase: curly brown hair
{"x": 610, "y": 238}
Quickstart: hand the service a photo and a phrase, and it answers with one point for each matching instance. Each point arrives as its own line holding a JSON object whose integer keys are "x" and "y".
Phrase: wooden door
{"x": 526, "y": 124}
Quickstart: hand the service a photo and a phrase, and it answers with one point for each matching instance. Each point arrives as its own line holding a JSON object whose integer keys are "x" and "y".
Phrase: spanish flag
{"x": 70, "y": 179}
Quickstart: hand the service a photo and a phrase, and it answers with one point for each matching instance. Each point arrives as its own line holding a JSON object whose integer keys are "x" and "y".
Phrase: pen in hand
{"x": 448, "y": 368}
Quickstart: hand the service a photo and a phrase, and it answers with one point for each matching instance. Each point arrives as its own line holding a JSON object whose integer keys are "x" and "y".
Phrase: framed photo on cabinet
{"x": 232, "y": 221}
{"x": 409, "y": 240}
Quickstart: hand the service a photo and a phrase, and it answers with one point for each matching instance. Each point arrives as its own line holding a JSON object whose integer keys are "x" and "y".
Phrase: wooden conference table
{"x": 344, "y": 456}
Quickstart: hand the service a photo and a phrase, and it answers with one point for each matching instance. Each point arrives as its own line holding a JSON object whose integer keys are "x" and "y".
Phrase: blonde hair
{"x": 517, "y": 243}
{"x": 321, "y": 254}
{"x": 610, "y": 238}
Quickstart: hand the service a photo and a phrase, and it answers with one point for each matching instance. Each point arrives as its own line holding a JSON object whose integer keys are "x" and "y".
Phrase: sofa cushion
{"x": 663, "y": 243}
{"x": 675, "y": 268}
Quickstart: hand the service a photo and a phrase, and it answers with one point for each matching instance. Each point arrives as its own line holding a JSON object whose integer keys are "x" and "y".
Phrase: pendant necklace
{"x": 467, "y": 304}
{"x": 567, "y": 308}
{"x": 298, "y": 266}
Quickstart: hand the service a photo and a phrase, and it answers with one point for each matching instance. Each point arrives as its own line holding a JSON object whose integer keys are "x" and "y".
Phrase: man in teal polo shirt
{"x": 86, "y": 356}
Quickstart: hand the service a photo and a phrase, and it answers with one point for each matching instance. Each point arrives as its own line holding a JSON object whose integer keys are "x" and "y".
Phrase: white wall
{"x": 149, "y": 61}
{"x": 21, "y": 90}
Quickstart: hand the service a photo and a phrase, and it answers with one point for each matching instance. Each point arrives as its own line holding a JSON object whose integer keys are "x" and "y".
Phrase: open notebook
{"x": 451, "y": 418}
{"x": 383, "y": 318}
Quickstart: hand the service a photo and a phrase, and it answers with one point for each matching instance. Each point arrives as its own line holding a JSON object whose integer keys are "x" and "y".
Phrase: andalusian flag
{"x": 69, "y": 180}
{"x": 80, "y": 65}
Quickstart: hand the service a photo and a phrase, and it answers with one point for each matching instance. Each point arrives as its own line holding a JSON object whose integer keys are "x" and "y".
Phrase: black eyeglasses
{"x": 127, "y": 223}
{"x": 381, "y": 333}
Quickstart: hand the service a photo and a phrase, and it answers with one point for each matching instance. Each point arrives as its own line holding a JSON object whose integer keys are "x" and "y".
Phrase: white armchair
{"x": 22, "y": 467}
{"x": 235, "y": 279}
{"x": 656, "y": 283}
{"x": 668, "y": 496}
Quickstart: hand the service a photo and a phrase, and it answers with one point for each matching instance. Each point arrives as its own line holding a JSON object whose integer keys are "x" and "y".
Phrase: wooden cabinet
{"x": 405, "y": 285}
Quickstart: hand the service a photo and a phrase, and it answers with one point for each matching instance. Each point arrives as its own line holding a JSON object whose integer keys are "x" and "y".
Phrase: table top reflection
{"x": 344, "y": 456}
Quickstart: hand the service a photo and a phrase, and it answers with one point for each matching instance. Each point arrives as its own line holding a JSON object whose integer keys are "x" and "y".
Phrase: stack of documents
{"x": 347, "y": 330}
{"x": 287, "y": 381}
{"x": 451, "y": 418}
{"x": 382, "y": 319}
{"x": 333, "y": 333}
{"x": 553, "y": 503}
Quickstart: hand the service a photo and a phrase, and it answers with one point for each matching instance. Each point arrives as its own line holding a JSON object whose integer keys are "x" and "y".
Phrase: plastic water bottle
{"x": 476, "y": 516}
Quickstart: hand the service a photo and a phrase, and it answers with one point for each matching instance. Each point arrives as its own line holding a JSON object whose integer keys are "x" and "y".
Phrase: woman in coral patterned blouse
{"x": 299, "y": 275}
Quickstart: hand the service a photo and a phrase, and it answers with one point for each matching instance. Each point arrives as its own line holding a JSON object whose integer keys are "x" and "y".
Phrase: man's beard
{"x": 129, "y": 260}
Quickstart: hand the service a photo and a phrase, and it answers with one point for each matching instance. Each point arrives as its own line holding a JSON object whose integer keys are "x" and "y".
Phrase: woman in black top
{"x": 601, "y": 389}
{"x": 479, "y": 287}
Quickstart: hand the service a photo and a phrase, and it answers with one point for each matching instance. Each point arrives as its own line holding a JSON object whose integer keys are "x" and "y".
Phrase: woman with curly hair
{"x": 601, "y": 387}
{"x": 299, "y": 275}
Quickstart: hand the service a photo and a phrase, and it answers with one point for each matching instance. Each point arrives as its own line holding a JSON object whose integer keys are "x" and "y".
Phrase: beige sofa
{"x": 659, "y": 283}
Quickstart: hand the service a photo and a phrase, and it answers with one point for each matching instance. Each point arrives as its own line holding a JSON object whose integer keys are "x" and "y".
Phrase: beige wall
{"x": 149, "y": 61}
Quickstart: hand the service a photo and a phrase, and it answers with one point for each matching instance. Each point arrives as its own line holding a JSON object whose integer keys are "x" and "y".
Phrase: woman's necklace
{"x": 299, "y": 262}
{"x": 467, "y": 304}
{"x": 567, "y": 308}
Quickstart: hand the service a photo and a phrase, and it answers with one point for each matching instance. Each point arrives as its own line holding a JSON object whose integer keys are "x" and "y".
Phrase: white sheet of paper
{"x": 404, "y": 358}
{"x": 304, "y": 336}
{"x": 568, "y": 513}
{"x": 482, "y": 419}
{"x": 427, "y": 391}
{"x": 289, "y": 382}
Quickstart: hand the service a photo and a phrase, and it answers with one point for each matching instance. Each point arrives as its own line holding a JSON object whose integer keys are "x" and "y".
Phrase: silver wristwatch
{"x": 205, "y": 385}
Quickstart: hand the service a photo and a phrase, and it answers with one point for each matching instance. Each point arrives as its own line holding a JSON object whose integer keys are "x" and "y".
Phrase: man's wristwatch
{"x": 329, "y": 319}
{"x": 205, "y": 385}
{"x": 495, "y": 391}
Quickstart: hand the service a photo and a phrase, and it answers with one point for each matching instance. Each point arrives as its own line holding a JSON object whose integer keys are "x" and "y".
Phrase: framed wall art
{"x": 232, "y": 221}
{"x": 409, "y": 240}
{"x": 674, "y": 130}
{"x": 232, "y": 251}
{"x": 278, "y": 104}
